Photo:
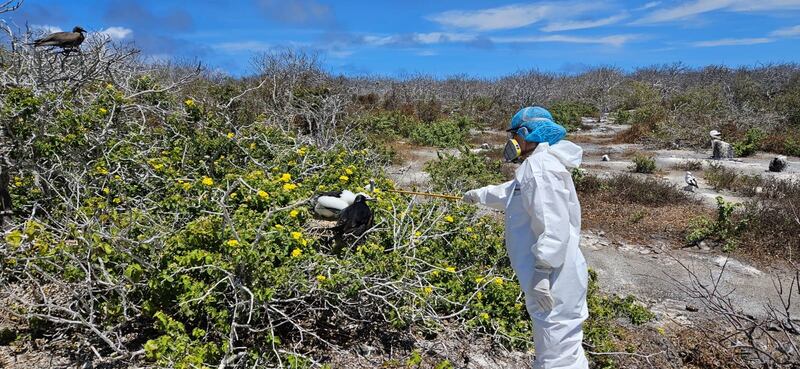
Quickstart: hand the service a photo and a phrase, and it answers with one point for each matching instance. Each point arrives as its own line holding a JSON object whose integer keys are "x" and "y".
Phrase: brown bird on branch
{"x": 64, "y": 40}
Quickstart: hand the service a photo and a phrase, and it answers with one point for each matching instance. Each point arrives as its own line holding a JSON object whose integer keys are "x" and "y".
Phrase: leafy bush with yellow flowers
{"x": 172, "y": 227}
{"x": 192, "y": 242}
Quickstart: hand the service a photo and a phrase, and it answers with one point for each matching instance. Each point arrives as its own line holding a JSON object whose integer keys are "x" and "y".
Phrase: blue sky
{"x": 440, "y": 37}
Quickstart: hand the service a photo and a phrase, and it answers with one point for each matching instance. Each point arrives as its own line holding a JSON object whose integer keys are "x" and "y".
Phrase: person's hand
{"x": 541, "y": 290}
{"x": 471, "y": 197}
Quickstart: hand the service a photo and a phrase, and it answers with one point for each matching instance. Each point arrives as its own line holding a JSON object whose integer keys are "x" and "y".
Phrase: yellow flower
{"x": 110, "y": 86}
{"x": 297, "y": 235}
{"x": 450, "y": 269}
{"x": 321, "y": 278}
{"x": 344, "y": 178}
{"x": 418, "y": 233}
{"x": 187, "y": 186}
{"x": 296, "y": 253}
{"x": 102, "y": 111}
{"x": 479, "y": 280}
{"x": 101, "y": 170}
{"x": 189, "y": 102}
{"x": 449, "y": 219}
{"x": 233, "y": 195}
{"x": 158, "y": 166}
{"x": 294, "y": 213}
{"x": 469, "y": 229}
{"x": 498, "y": 281}
{"x": 286, "y": 177}
{"x": 435, "y": 273}
{"x": 518, "y": 306}
{"x": 207, "y": 181}
{"x": 289, "y": 186}
{"x": 378, "y": 191}
{"x": 348, "y": 171}
{"x": 233, "y": 243}
{"x": 230, "y": 135}
{"x": 302, "y": 151}
{"x": 263, "y": 194}
{"x": 253, "y": 146}
{"x": 279, "y": 227}
{"x": 117, "y": 200}
{"x": 484, "y": 316}
{"x": 479, "y": 295}
{"x": 117, "y": 177}
{"x": 106, "y": 190}
{"x": 427, "y": 290}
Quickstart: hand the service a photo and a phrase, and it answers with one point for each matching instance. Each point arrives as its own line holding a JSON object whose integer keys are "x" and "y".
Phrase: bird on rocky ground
{"x": 778, "y": 164}
{"x": 330, "y": 204}
{"x": 64, "y": 40}
{"x": 690, "y": 180}
{"x": 715, "y": 134}
{"x": 354, "y": 220}
{"x": 605, "y": 158}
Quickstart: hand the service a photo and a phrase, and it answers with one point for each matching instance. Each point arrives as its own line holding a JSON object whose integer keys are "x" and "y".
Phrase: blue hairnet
{"x": 540, "y": 124}
{"x": 530, "y": 114}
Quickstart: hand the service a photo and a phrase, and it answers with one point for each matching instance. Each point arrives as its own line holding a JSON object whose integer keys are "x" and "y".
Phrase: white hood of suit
{"x": 567, "y": 152}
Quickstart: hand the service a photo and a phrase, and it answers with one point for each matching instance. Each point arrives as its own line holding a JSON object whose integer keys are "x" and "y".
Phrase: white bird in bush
{"x": 715, "y": 134}
{"x": 330, "y": 204}
{"x": 690, "y": 180}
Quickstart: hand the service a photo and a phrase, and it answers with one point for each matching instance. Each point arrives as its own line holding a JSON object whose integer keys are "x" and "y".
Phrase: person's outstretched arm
{"x": 493, "y": 196}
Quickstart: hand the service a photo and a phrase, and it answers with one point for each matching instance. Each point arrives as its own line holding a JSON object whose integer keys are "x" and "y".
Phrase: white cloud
{"x": 573, "y": 25}
{"x": 117, "y": 33}
{"x": 649, "y": 5}
{"x": 45, "y": 28}
{"x": 418, "y": 38}
{"x": 508, "y": 17}
{"x": 614, "y": 40}
{"x": 379, "y": 40}
{"x": 244, "y": 46}
{"x": 697, "y": 7}
{"x": 733, "y": 42}
{"x": 439, "y": 37}
{"x": 787, "y": 32}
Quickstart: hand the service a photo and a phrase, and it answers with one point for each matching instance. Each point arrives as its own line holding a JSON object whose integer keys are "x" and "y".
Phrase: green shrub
{"x": 725, "y": 230}
{"x": 569, "y": 113}
{"x": 599, "y": 331}
{"x": 456, "y": 174}
{"x": 636, "y": 94}
{"x": 643, "y": 164}
{"x": 750, "y": 144}
{"x": 451, "y": 132}
{"x": 623, "y": 117}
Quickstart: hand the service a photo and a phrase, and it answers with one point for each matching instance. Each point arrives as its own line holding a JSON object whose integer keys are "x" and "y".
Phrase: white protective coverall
{"x": 543, "y": 222}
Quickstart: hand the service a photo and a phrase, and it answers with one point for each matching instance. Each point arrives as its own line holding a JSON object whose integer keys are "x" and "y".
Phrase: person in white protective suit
{"x": 543, "y": 222}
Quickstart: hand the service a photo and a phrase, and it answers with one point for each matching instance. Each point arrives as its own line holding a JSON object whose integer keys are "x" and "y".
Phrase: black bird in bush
{"x": 354, "y": 220}
{"x": 64, "y": 40}
{"x": 5, "y": 196}
{"x": 330, "y": 204}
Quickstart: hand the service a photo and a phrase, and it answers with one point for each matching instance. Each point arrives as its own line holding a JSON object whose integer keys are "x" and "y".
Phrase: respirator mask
{"x": 513, "y": 150}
